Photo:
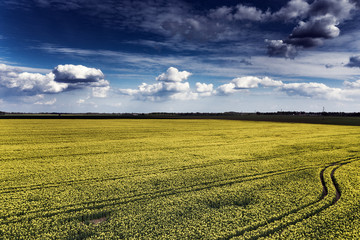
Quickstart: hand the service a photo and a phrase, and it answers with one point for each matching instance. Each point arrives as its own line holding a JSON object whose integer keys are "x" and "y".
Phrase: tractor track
{"x": 281, "y": 227}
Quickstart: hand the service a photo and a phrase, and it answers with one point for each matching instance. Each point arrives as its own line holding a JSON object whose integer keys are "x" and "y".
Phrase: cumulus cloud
{"x": 170, "y": 85}
{"x": 100, "y": 92}
{"x": 318, "y": 27}
{"x": 77, "y": 73}
{"x": 248, "y": 82}
{"x": 340, "y": 9}
{"x": 292, "y": 10}
{"x": 62, "y": 78}
{"x": 355, "y": 84}
{"x": 249, "y": 13}
{"x": 318, "y": 21}
{"x": 310, "y": 90}
{"x": 278, "y": 48}
{"x": 31, "y": 83}
{"x": 254, "y": 82}
{"x": 173, "y": 75}
{"x": 354, "y": 61}
{"x": 204, "y": 89}
{"x": 223, "y": 12}
{"x": 166, "y": 89}
{"x": 227, "y": 89}
{"x": 313, "y": 90}
{"x": 78, "y": 77}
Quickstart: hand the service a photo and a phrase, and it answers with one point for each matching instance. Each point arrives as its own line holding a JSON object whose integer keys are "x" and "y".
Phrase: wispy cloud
{"x": 179, "y": 22}
{"x": 309, "y": 64}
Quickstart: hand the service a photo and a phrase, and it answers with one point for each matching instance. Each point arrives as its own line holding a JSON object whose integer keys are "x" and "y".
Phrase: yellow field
{"x": 178, "y": 179}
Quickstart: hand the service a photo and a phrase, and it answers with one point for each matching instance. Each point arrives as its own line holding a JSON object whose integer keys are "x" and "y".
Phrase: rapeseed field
{"x": 178, "y": 179}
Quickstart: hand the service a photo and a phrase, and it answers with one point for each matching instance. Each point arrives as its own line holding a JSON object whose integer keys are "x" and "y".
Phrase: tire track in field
{"x": 308, "y": 215}
{"x": 99, "y": 179}
{"x": 92, "y": 205}
{"x": 137, "y": 173}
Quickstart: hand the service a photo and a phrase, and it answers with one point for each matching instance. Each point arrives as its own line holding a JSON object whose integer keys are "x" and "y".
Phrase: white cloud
{"x": 253, "y": 82}
{"x": 293, "y": 9}
{"x": 249, "y": 13}
{"x": 62, "y": 78}
{"x": 355, "y": 84}
{"x": 314, "y": 90}
{"x": 247, "y": 82}
{"x": 33, "y": 83}
{"x": 77, "y": 73}
{"x": 170, "y": 85}
{"x": 173, "y": 75}
{"x": 204, "y": 89}
{"x": 100, "y": 92}
{"x": 226, "y": 89}
{"x": 310, "y": 90}
{"x": 50, "y": 102}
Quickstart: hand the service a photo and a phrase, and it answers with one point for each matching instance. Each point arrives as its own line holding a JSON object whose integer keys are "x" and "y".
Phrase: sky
{"x": 179, "y": 56}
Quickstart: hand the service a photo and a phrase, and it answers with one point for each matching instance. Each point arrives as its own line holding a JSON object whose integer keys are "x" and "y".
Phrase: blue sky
{"x": 179, "y": 56}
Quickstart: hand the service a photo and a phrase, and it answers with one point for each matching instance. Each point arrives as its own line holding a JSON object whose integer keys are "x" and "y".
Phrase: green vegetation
{"x": 178, "y": 179}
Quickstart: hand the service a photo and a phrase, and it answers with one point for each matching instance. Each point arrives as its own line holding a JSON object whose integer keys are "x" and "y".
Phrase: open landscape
{"x": 178, "y": 179}
{"x": 179, "y": 119}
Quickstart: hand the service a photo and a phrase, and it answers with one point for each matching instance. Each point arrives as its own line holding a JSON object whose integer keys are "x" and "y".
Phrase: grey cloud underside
{"x": 354, "y": 61}
{"x": 319, "y": 22}
{"x": 279, "y": 48}
{"x": 62, "y": 78}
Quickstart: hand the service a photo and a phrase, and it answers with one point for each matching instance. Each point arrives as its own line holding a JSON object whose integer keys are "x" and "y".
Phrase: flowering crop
{"x": 178, "y": 179}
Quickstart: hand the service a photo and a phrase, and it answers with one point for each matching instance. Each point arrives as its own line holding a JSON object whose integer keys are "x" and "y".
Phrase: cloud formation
{"x": 31, "y": 83}
{"x": 355, "y": 84}
{"x": 173, "y": 75}
{"x": 313, "y": 90}
{"x": 77, "y": 73}
{"x": 170, "y": 85}
{"x": 310, "y": 90}
{"x": 354, "y": 61}
{"x": 62, "y": 78}
{"x": 247, "y": 82}
{"x": 318, "y": 21}
{"x": 204, "y": 90}
{"x": 279, "y": 48}
{"x": 315, "y": 21}
{"x": 292, "y": 10}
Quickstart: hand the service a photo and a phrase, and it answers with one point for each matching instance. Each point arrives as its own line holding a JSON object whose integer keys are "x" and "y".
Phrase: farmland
{"x": 178, "y": 179}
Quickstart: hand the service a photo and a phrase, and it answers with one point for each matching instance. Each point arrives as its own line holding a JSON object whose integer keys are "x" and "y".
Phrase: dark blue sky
{"x": 157, "y": 55}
